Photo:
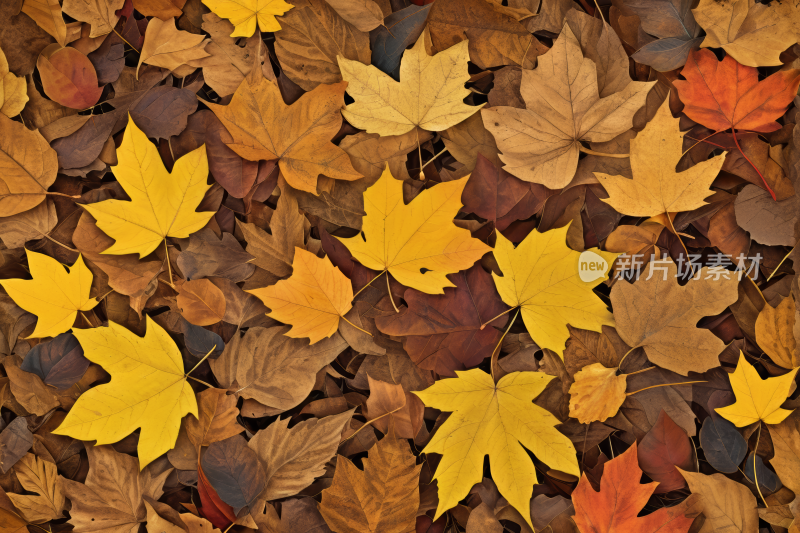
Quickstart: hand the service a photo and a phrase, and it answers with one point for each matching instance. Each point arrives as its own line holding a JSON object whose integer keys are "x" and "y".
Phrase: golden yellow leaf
{"x": 542, "y": 277}
{"x": 148, "y": 390}
{"x": 430, "y": 93}
{"x": 312, "y": 300}
{"x": 13, "y": 91}
{"x": 541, "y": 143}
{"x": 597, "y": 393}
{"x": 756, "y": 398}
{"x": 417, "y": 243}
{"x": 775, "y": 333}
{"x": 298, "y": 135}
{"x": 54, "y": 295}
{"x": 656, "y": 188}
{"x": 244, "y": 14}
{"x": 162, "y": 204}
{"x": 495, "y": 420}
{"x": 754, "y": 34}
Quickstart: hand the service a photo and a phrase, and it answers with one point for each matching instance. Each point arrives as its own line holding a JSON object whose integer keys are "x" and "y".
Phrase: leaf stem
{"x": 601, "y": 154}
{"x": 433, "y": 158}
{"x": 496, "y": 351}
{"x": 664, "y": 385}
{"x": 126, "y": 41}
{"x": 169, "y": 265}
{"x": 209, "y": 385}
{"x": 358, "y": 328}
{"x": 498, "y": 316}
{"x": 50, "y": 193}
{"x": 675, "y": 232}
{"x": 368, "y": 422}
{"x": 389, "y": 290}
{"x": 367, "y": 285}
{"x": 756, "y": 286}
{"x": 769, "y": 189}
{"x": 46, "y": 236}
{"x": 705, "y": 141}
{"x": 201, "y": 361}
{"x": 785, "y": 257}
{"x": 419, "y": 148}
{"x": 755, "y": 470}
{"x": 642, "y": 370}
{"x": 624, "y": 356}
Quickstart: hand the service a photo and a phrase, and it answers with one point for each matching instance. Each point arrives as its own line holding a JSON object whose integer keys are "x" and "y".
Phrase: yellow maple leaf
{"x": 494, "y": 420}
{"x": 312, "y": 300}
{"x": 430, "y": 93}
{"x": 244, "y": 14}
{"x": 148, "y": 390}
{"x": 756, "y": 398}
{"x": 417, "y": 243}
{"x": 162, "y": 204}
{"x": 542, "y": 277}
{"x": 656, "y": 188}
{"x": 54, "y": 295}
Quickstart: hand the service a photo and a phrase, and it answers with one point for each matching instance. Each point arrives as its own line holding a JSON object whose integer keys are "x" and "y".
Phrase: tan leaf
{"x": 754, "y": 34}
{"x": 28, "y": 167}
{"x": 369, "y": 153}
{"x": 35, "y": 223}
{"x": 775, "y": 333}
{"x": 101, "y": 14}
{"x": 365, "y": 15}
{"x": 274, "y": 251}
{"x": 47, "y": 14}
{"x": 495, "y": 37}
{"x": 311, "y": 37}
{"x": 217, "y": 420}
{"x": 405, "y": 408}
{"x": 467, "y": 139}
{"x": 597, "y": 394}
{"x": 383, "y": 497}
{"x": 661, "y": 316}
{"x": 170, "y": 48}
{"x": 541, "y": 144}
{"x": 769, "y": 222}
{"x": 228, "y": 63}
{"x": 39, "y": 476}
{"x": 201, "y": 302}
{"x": 30, "y": 391}
{"x": 728, "y": 506}
{"x": 293, "y": 458}
{"x": 112, "y": 500}
{"x": 275, "y": 370}
{"x": 787, "y": 451}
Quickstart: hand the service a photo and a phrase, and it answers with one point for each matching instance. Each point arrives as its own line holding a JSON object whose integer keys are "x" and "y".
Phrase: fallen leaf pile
{"x": 399, "y": 266}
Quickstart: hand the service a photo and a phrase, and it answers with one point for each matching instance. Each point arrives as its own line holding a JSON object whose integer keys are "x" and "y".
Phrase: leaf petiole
{"x": 664, "y": 385}
{"x": 201, "y": 361}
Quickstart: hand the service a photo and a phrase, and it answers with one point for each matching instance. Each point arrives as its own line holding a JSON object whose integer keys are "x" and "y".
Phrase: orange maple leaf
{"x": 622, "y": 497}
